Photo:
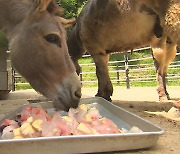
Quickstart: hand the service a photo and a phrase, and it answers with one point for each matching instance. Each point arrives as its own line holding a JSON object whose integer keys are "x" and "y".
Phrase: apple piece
{"x": 83, "y": 107}
{"x": 84, "y": 128}
{"x": 28, "y": 130}
{"x": 30, "y": 119}
{"x": 17, "y": 132}
{"x": 67, "y": 118}
{"x": 88, "y": 118}
{"x": 18, "y": 137}
{"x": 24, "y": 125}
{"x": 37, "y": 124}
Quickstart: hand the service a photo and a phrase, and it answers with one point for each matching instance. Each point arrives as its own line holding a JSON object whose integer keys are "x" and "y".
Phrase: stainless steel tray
{"x": 88, "y": 143}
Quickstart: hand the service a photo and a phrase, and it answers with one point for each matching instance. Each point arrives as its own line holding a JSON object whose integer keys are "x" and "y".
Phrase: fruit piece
{"x": 37, "y": 124}
{"x": 56, "y": 132}
{"x": 94, "y": 131}
{"x": 18, "y": 137}
{"x": 30, "y": 119}
{"x": 88, "y": 118}
{"x": 33, "y": 111}
{"x": 108, "y": 122}
{"x": 24, "y": 125}
{"x": 83, "y": 128}
{"x": 92, "y": 115}
{"x": 67, "y": 118}
{"x": 135, "y": 129}
{"x": 83, "y": 107}
{"x": 7, "y": 122}
{"x": 8, "y": 132}
{"x": 17, "y": 132}
{"x": 28, "y": 130}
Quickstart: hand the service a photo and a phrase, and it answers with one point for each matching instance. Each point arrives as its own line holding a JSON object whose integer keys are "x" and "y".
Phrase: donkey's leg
{"x": 163, "y": 54}
{"x": 170, "y": 55}
{"x": 78, "y": 67}
{"x": 161, "y": 80}
{"x": 105, "y": 88}
{"x": 75, "y": 48}
{"x": 75, "y": 56}
{"x": 165, "y": 82}
{"x": 76, "y": 53}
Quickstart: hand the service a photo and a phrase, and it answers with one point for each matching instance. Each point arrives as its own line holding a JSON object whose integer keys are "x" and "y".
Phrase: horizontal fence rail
{"x": 125, "y": 71}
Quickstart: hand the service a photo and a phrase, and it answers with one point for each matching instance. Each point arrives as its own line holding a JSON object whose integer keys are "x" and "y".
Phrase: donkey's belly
{"x": 124, "y": 33}
{"x": 131, "y": 33}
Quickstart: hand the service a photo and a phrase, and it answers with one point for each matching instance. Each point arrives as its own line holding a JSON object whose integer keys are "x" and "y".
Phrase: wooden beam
{"x": 4, "y": 90}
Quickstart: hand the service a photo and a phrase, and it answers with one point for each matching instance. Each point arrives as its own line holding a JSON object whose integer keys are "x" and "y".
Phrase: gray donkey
{"x": 37, "y": 41}
{"x": 107, "y": 26}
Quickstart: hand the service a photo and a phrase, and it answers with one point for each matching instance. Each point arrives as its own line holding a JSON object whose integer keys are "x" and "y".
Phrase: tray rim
{"x": 83, "y": 136}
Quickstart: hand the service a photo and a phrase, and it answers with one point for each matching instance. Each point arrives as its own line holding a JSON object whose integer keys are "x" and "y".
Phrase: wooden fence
{"x": 127, "y": 72}
{"x": 124, "y": 71}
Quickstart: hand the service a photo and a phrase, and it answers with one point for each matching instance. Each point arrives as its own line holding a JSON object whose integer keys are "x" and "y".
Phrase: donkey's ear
{"x": 67, "y": 22}
{"x": 42, "y": 5}
{"x": 49, "y": 5}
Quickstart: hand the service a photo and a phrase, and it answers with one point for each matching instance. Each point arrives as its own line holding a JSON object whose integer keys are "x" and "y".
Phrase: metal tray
{"x": 88, "y": 143}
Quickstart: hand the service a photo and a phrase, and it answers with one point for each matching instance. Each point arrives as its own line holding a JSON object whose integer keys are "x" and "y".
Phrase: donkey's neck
{"x": 12, "y": 13}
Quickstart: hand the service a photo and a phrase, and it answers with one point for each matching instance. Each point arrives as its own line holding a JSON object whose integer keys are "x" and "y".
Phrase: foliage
{"x": 72, "y": 8}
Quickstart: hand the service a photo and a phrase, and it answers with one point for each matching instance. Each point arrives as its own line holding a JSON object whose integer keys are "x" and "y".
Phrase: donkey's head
{"x": 40, "y": 54}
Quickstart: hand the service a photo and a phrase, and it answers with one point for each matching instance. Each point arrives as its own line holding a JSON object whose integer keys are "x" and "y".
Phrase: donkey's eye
{"x": 53, "y": 38}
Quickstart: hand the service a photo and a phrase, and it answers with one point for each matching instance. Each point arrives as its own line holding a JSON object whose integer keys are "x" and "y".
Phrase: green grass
{"x": 23, "y": 87}
{"x": 136, "y": 84}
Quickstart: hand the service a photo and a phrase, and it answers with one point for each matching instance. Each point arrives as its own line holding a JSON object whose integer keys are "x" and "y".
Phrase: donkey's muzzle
{"x": 69, "y": 94}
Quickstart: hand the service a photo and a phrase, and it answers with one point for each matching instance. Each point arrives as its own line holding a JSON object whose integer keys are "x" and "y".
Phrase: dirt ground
{"x": 135, "y": 100}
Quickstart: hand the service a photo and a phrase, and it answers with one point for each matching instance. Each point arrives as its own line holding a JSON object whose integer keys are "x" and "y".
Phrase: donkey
{"x": 107, "y": 26}
{"x": 37, "y": 41}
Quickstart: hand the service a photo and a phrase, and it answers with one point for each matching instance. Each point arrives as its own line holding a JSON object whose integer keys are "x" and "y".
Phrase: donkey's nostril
{"x": 78, "y": 93}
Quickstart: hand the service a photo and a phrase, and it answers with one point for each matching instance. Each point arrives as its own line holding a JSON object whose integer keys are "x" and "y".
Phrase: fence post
{"x": 13, "y": 80}
{"x": 118, "y": 78}
{"x": 80, "y": 74}
{"x": 126, "y": 69}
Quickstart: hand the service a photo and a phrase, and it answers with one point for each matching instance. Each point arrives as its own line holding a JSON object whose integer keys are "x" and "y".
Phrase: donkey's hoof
{"x": 108, "y": 99}
{"x": 105, "y": 97}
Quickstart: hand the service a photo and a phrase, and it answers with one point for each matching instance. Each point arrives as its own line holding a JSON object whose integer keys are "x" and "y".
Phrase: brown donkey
{"x": 37, "y": 41}
{"x": 106, "y": 26}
